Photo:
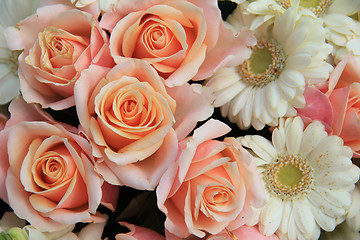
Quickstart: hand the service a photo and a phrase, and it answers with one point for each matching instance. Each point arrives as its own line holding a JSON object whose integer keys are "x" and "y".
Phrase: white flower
{"x": 270, "y": 84}
{"x": 308, "y": 177}
{"x": 343, "y": 32}
{"x": 265, "y": 10}
{"x": 11, "y": 12}
{"x": 341, "y": 20}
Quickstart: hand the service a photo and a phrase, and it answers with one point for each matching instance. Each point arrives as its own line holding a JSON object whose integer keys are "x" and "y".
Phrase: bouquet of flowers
{"x": 179, "y": 119}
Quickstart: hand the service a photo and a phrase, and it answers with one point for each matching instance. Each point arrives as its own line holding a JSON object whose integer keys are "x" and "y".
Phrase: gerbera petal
{"x": 304, "y": 218}
{"x": 294, "y": 134}
{"x": 338, "y": 198}
{"x": 238, "y": 103}
{"x": 284, "y": 25}
{"x": 313, "y": 134}
{"x": 338, "y": 179}
{"x": 227, "y": 94}
{"x": 296, "y": 39}
{"x": 320, "y": 202}
{"x": 246, "y": 113}
{"x": 325, "y": 222}
{"x": 263, "y": 148}
{"x": 272, "y": 95}
{"x": 223, "y": 78}
{"x": 287, "y": 93}
{"x": 258, "y": 103}
{"x": 278, "y": 139}
{"x": 292, "y": 78}
{"x": 271, "y": 216}
{"x": 298, "y": 60}
{"x": 287, "y": 214}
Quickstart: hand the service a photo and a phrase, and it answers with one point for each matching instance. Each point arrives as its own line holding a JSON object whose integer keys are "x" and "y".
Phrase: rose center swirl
{"x": 264, "y": 65}
{"x": 289, "y": 177}
{"x": 318, "y": 7}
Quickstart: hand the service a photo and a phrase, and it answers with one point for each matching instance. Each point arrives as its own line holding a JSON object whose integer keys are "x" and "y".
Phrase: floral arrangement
{"x": 179, "y": 119}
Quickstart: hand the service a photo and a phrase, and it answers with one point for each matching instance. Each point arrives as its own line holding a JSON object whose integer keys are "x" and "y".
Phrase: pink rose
{"x": 138, "y": 233}
{"x": 211, "y": 186}
{"x": 181, "y": 39}
{"x": 59, "y": 42}
{"x": 339, "y": 107}
{"x": 346, "y": 106}
{"x": 128, "y": 115}
{"x": 46, "y": 171}
{"x": 244, "y": 233}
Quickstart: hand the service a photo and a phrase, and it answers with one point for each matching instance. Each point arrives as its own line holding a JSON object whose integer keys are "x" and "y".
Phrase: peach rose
{"x": 211, "y": 186}
{"x": 243, "y": 232}
{"x": 181, "y": 39}
{"x": 128, "y": 115}
{"x": 346, "y": 106}
{"x": 56, "y": 51}
{"x": 47, "y": 176}
{"x": 138, "y": 233}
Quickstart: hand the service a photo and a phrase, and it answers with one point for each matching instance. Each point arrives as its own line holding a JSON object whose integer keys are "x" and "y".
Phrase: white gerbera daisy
{"x": 11, "y": 12}
{"x": 270, "y": 84}
{"x": 265, "y": 10}
{"x": 343, "y": 32}
{"x": 341, "y": 20}
{"x": 308, "y": 177}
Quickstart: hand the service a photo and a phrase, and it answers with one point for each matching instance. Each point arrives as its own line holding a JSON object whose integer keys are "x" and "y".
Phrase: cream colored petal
{"x": 313, "y": 134}
{"x": 303, "y": 216}
{"x": 271, "y": 216}
{"x": 294, "y": 135}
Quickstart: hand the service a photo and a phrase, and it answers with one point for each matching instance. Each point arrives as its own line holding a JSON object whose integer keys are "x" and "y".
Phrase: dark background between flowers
{"x": 136, "y": 206}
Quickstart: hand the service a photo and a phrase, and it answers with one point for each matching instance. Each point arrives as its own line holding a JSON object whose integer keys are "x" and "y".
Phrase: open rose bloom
{"x": 339, "y": 107}
{"x": 46, "y": 171}
{"x": 59, "y": 42}
{"x": 129, "y": 116}
{"x": 212, "y": 185}
{"x": 182, "y": 40}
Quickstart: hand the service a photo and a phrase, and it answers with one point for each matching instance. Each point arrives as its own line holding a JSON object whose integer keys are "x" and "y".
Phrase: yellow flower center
{"x": 318, "y": 7}
{"x": 309, "y": 3}
{"x": 264, "y": 65}
{"x": 289, "y": 177}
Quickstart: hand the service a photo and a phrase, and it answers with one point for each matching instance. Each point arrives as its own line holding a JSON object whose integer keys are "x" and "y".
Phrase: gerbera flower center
{"x": 289, "y": 177}
{"x": 264, "y": 65}
{"x": 318, "y": 7}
